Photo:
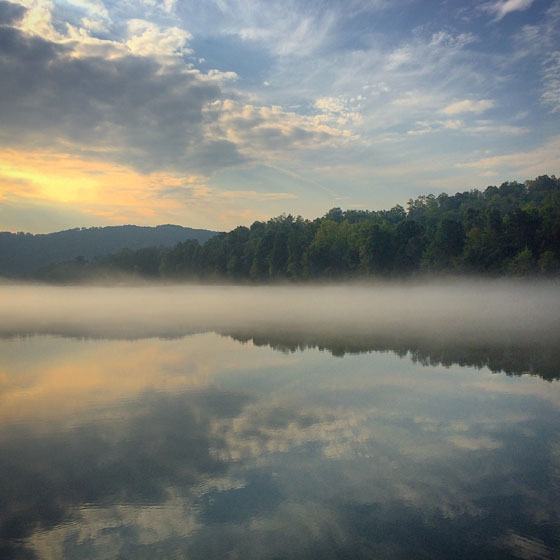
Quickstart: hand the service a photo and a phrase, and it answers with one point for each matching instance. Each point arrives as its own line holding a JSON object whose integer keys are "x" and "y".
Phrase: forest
{"x": 513, "y": 229}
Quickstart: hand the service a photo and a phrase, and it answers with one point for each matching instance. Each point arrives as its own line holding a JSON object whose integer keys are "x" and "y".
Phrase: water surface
{"x": 229, "y": 435}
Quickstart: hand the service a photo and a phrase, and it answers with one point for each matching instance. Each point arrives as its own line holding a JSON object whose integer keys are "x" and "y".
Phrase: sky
{"x": 215, "y": 113}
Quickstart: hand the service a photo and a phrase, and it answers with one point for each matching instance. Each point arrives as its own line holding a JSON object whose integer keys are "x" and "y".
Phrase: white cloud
{"x": 290, "y": 28}
{"x": 427, "y": 127}
{"x": 399, "y": 57}
{"x": 468, "y": 106}
{"x": 330, "y": 104}
{"x": 502, "y": 8}
{"x": 551, "y": 82}
{"x": 166, "y": 5}
{"x": 147, "y": 39}
{"x": 339, "y": 112}
{"x": 485, "y": 127}
{"x": 94, "y": 25}
{"x": 415, "y": 100}
{"x": 408, "y": 82}
{"x": 445, "y": 39}
{"x": 282, "y": 28}
{"x": 265, "y": 132}
{"x": 539, "y": 42}
{"x": 220, "y": 77}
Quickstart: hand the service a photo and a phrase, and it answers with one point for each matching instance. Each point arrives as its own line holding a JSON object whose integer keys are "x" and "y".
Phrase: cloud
{"x": 96, "y": 188}
{"x": 147, "y": 39}
{"x": 551, "y": 81}
{"x": 486, "y": 127}
{"x": 544, "y": 159}
{"x": 56, "y": 190}
{"x": 413, "y": 100}
{"x": 396, "y": 85}
{"x": 10, "y": 13}
{"x": 502, "y": 8}
{"x": 196, "y": 190}
{"x": 166, "y": 5}
{"x": 330, "y": 104}
{"x": 539, "y": 44}
{"x": 129, "y": 109}
{"x": 94, "y": 8}
{"x": 271, "y": 132}
{"x": 468, "y": 106}
{"x": 340, "y": 111}
{"x": 139, "y": 102}
{"x": 282, "y": 28}
{"x": 399, "y": 57}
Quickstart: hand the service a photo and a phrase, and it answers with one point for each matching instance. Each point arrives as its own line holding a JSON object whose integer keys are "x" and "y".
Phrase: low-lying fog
{"x": 474, "y": 311}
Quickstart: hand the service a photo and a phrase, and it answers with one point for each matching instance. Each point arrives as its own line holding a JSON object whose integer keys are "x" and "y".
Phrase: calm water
{"x": 277, "y": 443}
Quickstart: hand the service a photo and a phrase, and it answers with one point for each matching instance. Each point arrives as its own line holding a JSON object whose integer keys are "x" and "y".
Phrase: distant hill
{"x": 24, "y": 253}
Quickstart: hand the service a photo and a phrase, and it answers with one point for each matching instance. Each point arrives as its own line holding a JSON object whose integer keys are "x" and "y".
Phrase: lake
{"x": 385, "y": 421}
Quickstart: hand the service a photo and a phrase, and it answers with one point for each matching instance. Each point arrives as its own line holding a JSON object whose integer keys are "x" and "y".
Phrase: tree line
{"x": 510, "y": 229}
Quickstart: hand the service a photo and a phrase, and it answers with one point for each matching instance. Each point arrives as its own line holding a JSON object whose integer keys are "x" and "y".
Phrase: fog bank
{"x": 476, "y": 311}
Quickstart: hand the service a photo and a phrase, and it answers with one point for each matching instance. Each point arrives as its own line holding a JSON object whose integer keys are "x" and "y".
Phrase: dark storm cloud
{"x": 10, "y": 13}
{"x": 135, "y": 110}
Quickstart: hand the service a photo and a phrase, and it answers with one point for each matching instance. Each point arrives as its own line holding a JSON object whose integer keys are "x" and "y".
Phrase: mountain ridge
{"x": 24, "y": 253}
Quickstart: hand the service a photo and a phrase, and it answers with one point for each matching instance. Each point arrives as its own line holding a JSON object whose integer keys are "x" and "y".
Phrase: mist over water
{"x": 511, "y": 326}
{"x": 479, "y": 310}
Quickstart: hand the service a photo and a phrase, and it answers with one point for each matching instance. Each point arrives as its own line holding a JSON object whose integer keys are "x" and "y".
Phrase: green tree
{"x": 523, "y": 263}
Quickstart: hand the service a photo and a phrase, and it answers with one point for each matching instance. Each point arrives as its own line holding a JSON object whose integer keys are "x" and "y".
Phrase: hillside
{"x": 24, "y": 253}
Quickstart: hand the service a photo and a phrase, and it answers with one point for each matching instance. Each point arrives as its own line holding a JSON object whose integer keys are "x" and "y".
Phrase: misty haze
{"x": 450, "y": 311}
